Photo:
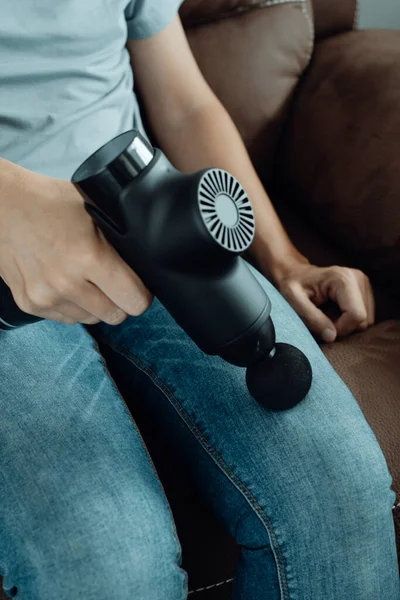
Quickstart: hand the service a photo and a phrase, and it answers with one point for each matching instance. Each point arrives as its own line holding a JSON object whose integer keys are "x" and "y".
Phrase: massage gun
{"x": 184, "y": 236}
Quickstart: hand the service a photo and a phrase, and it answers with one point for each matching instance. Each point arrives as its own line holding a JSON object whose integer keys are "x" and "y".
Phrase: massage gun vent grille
{"x": 226, "y": 210}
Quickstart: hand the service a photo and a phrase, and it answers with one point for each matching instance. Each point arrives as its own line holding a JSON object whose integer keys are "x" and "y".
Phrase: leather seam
{"x": 310, "y": 21}
{"x": 239, "y": 10}
{"x": 219, "y": 461}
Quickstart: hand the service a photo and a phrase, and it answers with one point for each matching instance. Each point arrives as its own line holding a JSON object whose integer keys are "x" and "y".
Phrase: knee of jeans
{"x": 354, "y": 483}
{"x": 109, "y": 566}
{"x": 359, "y": 475}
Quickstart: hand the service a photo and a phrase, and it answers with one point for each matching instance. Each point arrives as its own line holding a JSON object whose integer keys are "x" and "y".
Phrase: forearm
{"x": 208, "y": 138}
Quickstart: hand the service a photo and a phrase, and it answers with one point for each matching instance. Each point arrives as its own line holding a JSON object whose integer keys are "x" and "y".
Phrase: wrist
{"x": 277, "y": 264}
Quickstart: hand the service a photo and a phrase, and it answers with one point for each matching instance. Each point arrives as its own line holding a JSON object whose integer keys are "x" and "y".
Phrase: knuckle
{"x": 89, "y": 255}
{"x": 335, "y": 269}
{"x": 63, "y": 285}
{"x": 24, "y": 303}
{"x": 345, "y": 273}
{"x": 40, "y": 297}
{"x": 288, "y": 288}
{"x": 360, "y": 315}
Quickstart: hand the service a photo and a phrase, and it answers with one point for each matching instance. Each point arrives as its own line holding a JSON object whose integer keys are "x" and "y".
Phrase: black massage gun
{"x": 184, "y": 236}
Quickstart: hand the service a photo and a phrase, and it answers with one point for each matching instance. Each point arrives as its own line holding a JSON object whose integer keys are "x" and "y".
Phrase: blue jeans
{"x": 306, "y": 492}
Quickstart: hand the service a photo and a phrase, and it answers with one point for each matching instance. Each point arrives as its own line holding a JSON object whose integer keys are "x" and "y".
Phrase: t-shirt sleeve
{"x": 148, "y": 17}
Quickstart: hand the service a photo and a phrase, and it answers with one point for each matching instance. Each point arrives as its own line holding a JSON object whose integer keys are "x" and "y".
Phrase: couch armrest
{"x": 340, "y": 152}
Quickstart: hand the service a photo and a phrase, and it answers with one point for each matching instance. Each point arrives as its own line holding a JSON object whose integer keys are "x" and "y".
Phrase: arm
{"x": 195, "y": 132}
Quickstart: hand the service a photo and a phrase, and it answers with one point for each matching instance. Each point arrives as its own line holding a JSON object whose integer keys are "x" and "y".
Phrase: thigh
{"x": 82, "y": 513}
{"x": 314, "y": 476}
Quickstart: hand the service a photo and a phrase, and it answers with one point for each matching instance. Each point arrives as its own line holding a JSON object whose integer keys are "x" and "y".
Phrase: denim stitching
{"x": 254, "y": 504}
{"x": 210, "y": 587}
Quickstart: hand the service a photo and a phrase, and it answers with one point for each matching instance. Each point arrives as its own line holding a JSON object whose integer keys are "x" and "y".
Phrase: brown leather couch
{"x": 318, "y": 107}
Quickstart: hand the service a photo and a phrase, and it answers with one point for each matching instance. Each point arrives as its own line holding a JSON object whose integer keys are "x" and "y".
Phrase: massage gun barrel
{"x": 154, "y": 218}
{"x": 178, "y": 233}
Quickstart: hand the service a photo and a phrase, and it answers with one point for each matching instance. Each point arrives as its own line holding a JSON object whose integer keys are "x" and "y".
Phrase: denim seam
{"x": 137, "y": 430}
{"x": 252, "y": 501}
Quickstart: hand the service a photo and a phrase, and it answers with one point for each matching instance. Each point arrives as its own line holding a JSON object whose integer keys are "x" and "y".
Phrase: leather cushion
{"x": 196, "y": 12}
{"x": 334, "y": 16}
{"x": 341, "y": 150}
{"x": 253, "y": 62}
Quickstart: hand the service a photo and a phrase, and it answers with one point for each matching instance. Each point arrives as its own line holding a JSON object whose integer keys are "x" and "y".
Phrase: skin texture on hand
{"x": 307, "y": 288}
{"x": 57, "y": 264}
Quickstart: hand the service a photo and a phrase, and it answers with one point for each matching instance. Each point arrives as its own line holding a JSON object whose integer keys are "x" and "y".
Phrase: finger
{"x": 52, "y": 315}
{"x": 77, "y": 314}
{"x": 92, "y": 300}
{"x": 313, "y": 317}
{"x": 370, "y": 301}
{"x": 67, "y": 313}
{"x": 45, "y": 307}
{"x": 120, "y": 283}
{"x": 347, "y": 294}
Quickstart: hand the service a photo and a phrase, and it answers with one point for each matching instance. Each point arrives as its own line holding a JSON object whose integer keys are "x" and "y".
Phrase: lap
{"x": 72, "y": 460}
{"x": 214, "y": 393}
{"x": 76, "y": 482}
{"x": 300, "y": 471}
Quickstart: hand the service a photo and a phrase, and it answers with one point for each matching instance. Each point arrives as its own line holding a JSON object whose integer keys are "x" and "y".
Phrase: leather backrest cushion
{"x": 196, "y": 12}
{"x": 253, "y": 59}
{"x": 341, "y": 148}
{"x": 334, "y": 16}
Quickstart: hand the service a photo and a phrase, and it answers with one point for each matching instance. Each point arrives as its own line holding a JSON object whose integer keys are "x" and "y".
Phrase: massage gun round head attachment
{"x": 226, "y": 210}
{"x": 282, "y": 380}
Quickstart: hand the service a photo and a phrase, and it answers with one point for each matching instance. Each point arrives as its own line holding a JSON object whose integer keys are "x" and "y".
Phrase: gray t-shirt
{"x": 66, "y": 85}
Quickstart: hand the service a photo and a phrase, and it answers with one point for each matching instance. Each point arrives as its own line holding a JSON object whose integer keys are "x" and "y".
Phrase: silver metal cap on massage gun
{"x": 134, "y": 159}
{"x": 112, "y": 168}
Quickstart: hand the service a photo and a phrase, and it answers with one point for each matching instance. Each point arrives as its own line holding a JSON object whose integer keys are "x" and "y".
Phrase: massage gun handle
{"x": 10, "y": 314}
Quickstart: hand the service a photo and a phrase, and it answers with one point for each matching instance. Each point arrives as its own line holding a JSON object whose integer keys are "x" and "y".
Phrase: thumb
{"x": 314, "y": 318}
